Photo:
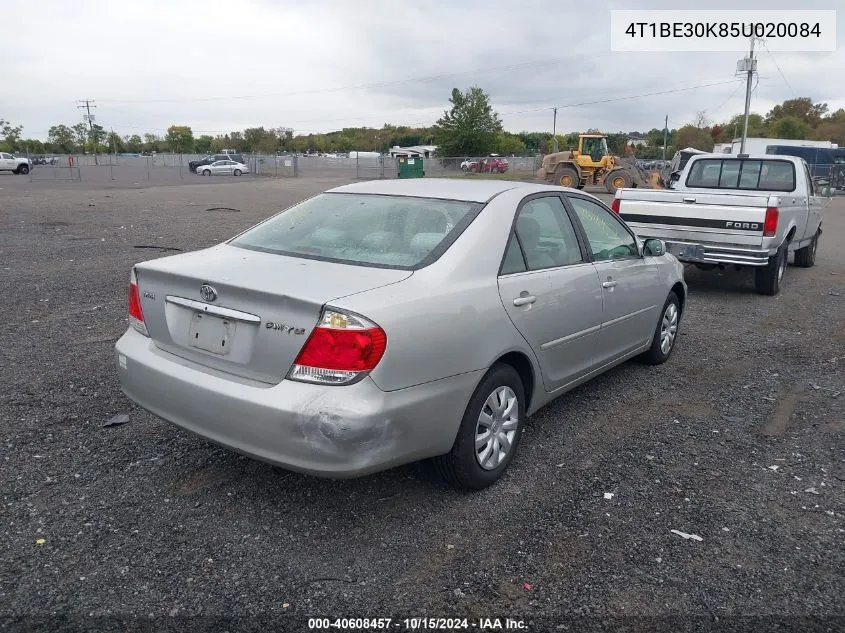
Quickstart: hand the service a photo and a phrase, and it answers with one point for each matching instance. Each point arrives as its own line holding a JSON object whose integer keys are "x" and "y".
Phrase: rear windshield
{"x": 750, "y": 175}
{"x": 370, "y": 230}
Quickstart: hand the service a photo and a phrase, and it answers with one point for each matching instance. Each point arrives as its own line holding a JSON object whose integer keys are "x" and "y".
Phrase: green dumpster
{"x": 409, "y": 167}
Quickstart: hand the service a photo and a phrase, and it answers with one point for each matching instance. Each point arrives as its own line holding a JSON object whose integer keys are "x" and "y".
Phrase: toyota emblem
{"x": 208, "y": 293}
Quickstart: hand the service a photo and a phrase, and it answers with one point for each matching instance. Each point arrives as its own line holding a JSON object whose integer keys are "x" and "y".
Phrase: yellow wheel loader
{"x": 591, "y": 165}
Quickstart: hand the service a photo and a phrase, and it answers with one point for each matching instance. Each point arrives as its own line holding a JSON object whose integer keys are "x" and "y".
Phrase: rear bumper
{"x": 704, "y": 253}
{"x": 328, "y": 431}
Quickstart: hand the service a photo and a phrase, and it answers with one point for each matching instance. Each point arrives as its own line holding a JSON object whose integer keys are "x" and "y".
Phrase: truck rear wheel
{"x": 617, "y": 179}
{"x": 566, "y": 177}
{"x": 767, "y": 278}
{"x": 806, "y": 257}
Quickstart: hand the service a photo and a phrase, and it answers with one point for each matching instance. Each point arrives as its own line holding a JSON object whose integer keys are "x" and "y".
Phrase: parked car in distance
{"x": 491, "y": 164}
{"x": 212, "y": 158}
{"x": 385, "y": 322}
{"x": 223, "y": 167}
{"x": 733, "y": 210}
{"x": 14, "y": 164}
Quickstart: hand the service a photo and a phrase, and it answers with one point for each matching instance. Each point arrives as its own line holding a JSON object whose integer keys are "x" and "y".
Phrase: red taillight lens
{"x": 339, "y": 350}
{"x": 614, "y": 206}
{"x": 770, "y": 224}
{"x": 136, "y": 314}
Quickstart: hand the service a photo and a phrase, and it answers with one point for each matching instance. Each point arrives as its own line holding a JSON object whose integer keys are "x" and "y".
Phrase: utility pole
{"x": 86, "y": 105}
{"x": 665, "y": 136}
{"x": 747, "y": 65}
{"x": 555, "y": 147}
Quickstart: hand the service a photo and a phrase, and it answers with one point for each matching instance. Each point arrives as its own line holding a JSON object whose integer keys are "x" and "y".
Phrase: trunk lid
{"x": 244, "y": 312}
{"x": 696, "y": 215}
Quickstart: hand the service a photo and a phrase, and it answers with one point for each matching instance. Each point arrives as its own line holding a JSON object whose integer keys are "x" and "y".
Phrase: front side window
{"x": 371, "y": 230}
{"x": 546, "y": 234}
{"x": 607, "y": 237}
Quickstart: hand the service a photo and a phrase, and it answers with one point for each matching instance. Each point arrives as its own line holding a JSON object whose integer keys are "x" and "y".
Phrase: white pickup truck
{"x": 8, "y": 162}
{"x": 735, "y": 210}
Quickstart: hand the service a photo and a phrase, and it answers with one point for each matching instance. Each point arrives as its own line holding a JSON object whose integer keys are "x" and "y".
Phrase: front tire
{"x": 206, "y": 172}
{"x": 666, "y": 332}
{"x": 23, "y": 170}
{"x": 806, "y": 257}
{"x": 618, "y": 179}
{"x": 489, "y": 434}
{"x": 767, "y": 279}
{"x": 237, "y": 172}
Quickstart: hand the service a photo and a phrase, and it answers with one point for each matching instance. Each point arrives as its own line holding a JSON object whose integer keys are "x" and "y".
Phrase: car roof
{"x": 444, "y": 188}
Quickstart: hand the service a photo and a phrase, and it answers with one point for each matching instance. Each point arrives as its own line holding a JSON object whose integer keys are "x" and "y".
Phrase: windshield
{"x": 371, "y": 230}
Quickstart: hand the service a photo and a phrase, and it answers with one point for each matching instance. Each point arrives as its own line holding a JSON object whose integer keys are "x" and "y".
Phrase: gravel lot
{"x": 738, "y": 439}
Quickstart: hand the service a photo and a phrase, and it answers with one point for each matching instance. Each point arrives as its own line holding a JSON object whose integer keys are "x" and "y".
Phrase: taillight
{"x": 614, "y": 206}
{"x": 136, "y": 314}
{"x": 341, "y": 349}
{"x": 770, "y": 224}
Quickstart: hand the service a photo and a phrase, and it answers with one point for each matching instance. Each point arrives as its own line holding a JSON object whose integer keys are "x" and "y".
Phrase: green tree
{"x": 692, "y": 136}
{"x": 203, "y": 144}
{"x": 114, "y": 143}
{"x": 257, "y": 139}
{"x": 61, "y": 138}
{"x": 469, "y": 127}
{"x": 80, "y": 131}
{"x": 509, "y": 144}
{"x": 134, "y": 144}
{"x": 802, "y": 109}
{"x": 180, "y": 138}
{"x": 97, "y": 138}
{"x": 10, "y": 135}
{"x": 790, "y": 127}
{"x": 152, "y": 143}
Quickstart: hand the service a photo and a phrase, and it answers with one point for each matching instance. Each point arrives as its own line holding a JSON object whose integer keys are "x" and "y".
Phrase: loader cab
{"x": 593, "y": 146}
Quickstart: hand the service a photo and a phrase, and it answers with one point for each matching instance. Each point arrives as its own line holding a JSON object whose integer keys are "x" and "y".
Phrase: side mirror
{"x": 653, "y": 247}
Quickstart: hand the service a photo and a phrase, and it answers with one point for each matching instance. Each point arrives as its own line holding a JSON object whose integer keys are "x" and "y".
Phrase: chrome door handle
{"x": 689, "y": 199}
{"x": 608, "y": 284}
{"x": 525, "y": 300}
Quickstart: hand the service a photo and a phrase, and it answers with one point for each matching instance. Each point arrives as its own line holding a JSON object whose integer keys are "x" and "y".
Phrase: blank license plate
{"x": 211, "y": 333}
{"x": 682, "y": 251}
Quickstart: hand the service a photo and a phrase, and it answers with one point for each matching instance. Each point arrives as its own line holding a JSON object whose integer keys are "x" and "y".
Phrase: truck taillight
{"x": 614, "y": 206}
{"x": 339, "y": 350}
{"x": 770, "y": 224}
{"x": 136, "y": 314}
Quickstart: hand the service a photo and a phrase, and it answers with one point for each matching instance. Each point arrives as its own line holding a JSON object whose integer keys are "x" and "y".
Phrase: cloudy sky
{"x": 219, "y": 65}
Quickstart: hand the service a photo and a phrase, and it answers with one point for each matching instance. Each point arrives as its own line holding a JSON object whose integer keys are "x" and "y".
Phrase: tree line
{"x": 470, "y": 127}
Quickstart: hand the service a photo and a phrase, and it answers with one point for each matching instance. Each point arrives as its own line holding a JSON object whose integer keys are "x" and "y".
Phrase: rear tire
{"x": 462, "y": 466}
{"x": 665, "y": 334}
{"x": 566, "y": 177}
{"x": 806, "y": 257}
{"x": 767, "y": 279}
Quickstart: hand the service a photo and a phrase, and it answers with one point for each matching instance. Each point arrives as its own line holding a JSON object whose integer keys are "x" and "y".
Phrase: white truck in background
{"x": 735, "y": 210}
{"x": 9, "y": 162}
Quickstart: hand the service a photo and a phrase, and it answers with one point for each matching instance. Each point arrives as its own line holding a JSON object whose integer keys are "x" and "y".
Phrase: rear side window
{"x": 363, "y": 229}
{"x": 750, "y": 175}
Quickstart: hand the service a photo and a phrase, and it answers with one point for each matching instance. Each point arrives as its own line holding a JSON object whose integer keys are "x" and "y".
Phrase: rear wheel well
{"x": 678, "y": 289}
{"x": 791, "y": 234}
{"x": 523, "y": 367}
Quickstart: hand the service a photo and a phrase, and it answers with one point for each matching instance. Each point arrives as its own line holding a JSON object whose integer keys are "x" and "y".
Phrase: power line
{"x": 380, "y": 84}
{"x": 791, "y": 89}
{"x": 725, "y": 102}
{"x": 86, "y": 105}
{"x": 538, "y": 109}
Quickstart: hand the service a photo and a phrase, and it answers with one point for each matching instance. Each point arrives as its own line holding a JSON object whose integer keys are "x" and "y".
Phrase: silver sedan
{"x": 385, "y": 322}
{"x": 223, "y": 167}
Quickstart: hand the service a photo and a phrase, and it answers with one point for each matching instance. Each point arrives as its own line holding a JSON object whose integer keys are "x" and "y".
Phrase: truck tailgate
{"x": 692, "y": 216}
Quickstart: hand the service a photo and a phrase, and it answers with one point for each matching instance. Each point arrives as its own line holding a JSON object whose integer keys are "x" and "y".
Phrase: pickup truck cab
{"x": 9, "y": 162}
{"x": 736, "y": 210}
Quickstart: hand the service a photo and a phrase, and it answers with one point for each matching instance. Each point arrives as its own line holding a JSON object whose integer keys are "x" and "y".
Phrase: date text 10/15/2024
{"x": 417, "y": 624}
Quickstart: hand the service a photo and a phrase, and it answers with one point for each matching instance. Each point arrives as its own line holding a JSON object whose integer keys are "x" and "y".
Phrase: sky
{"x": 317, "y": 66}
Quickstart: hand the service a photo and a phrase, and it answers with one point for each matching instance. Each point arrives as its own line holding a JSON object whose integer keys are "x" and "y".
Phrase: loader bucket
{"x": 639, "y": 176}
